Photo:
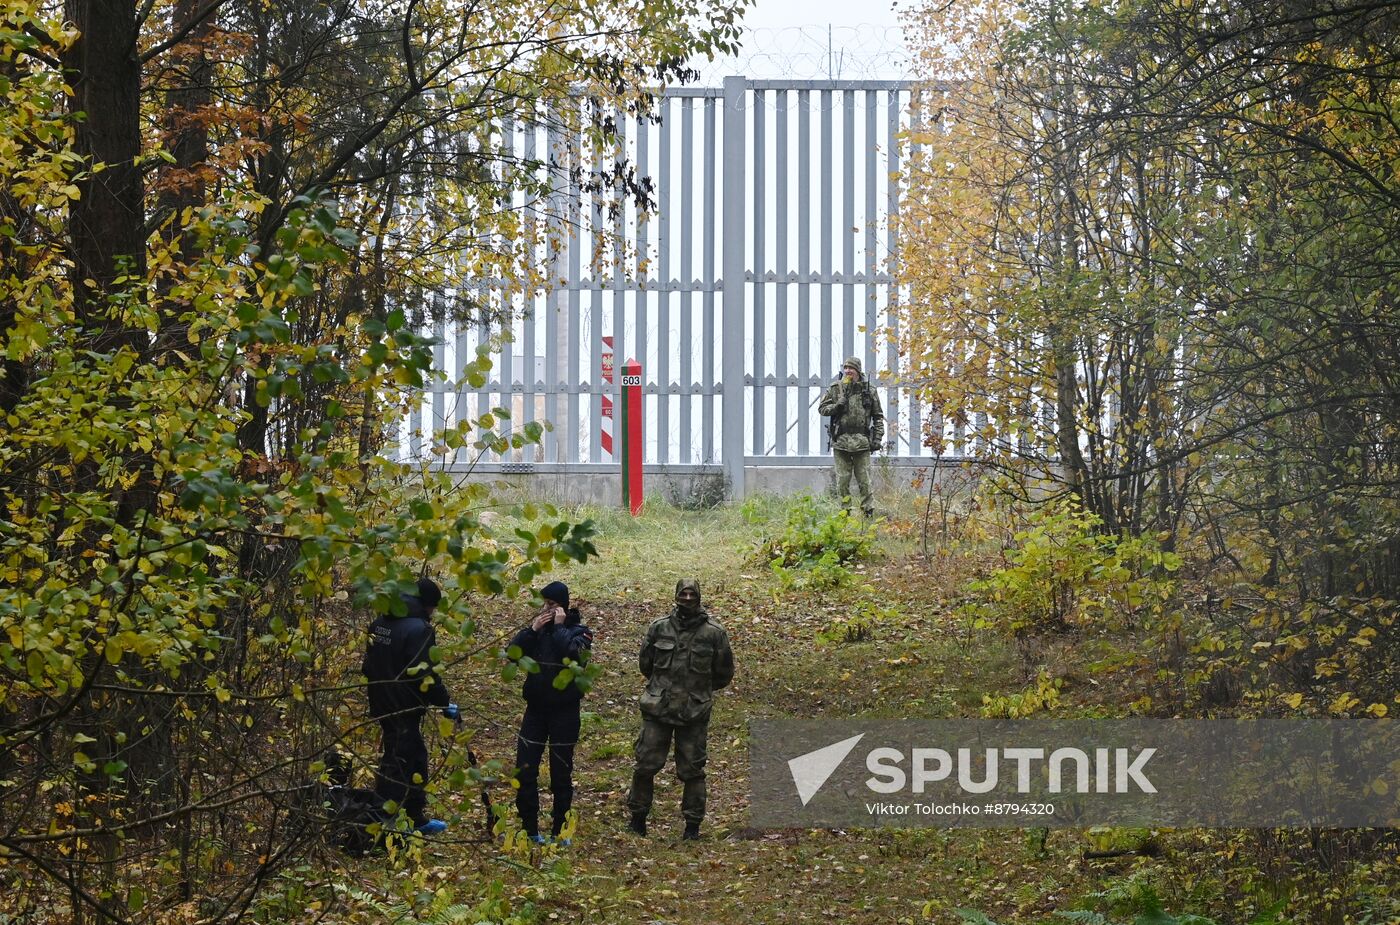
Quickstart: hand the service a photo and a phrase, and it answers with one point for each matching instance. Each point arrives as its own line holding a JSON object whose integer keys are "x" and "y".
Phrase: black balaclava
{"x": 688, "y": 614}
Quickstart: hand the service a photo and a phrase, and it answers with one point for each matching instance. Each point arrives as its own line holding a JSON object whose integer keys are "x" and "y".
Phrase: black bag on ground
{"x": 346, "y": 812}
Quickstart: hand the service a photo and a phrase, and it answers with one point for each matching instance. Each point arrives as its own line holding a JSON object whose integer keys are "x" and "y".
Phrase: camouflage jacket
{"x": 856, "y": 413}
{"x": 685, "y": 662}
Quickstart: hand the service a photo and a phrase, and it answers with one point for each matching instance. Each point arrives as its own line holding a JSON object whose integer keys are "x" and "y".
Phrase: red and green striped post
{"x": 631, "y": 427}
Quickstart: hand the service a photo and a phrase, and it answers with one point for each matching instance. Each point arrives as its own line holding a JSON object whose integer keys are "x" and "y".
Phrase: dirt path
{"x": 916, "y": 664}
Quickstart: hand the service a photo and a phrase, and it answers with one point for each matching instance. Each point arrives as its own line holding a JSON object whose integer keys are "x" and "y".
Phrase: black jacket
{"x": 549, "y": 647}
{"x": 397, "y": 647}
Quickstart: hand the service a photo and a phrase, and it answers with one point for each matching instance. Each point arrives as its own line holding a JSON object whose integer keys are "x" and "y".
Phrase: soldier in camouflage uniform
{"x": 685, "y": 658}
{"x": 857, "y": 430}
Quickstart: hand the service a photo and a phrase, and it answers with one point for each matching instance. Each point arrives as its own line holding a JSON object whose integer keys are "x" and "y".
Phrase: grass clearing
{"x": 918, "y": 660}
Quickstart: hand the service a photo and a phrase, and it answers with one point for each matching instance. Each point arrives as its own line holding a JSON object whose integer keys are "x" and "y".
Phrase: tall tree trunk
{"x": 108, "y": 220}
{"x": 182, "y": 183}
{"x": 106, "y": 234}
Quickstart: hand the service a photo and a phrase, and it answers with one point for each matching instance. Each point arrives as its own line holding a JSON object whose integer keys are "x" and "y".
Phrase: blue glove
{"x": 452, "y": 712}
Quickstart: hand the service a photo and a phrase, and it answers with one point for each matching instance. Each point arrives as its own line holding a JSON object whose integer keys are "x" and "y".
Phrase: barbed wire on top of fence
{"x": 866, "y": 51}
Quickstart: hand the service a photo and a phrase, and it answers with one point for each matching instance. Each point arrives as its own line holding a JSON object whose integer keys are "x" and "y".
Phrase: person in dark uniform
{"x": 551, "y": 711}
{"x": 403, "y": 683}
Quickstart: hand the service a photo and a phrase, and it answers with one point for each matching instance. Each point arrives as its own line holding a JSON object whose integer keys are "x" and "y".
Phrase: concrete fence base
{"x": 702, "y": 486}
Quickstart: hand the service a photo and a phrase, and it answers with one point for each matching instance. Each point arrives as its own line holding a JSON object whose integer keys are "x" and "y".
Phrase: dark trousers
{"x": 557, "y": 727}
{"x": 692, "y": 753}
{"x": 404, "y": 768}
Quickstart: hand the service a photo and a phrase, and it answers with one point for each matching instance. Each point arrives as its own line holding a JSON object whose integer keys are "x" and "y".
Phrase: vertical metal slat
{"x": 663, "y": 299}
{"x": 641, "y": 320}
{"x": 872, "y": 290}
{"x": 464, "y": 355}
{"x": 826, "y": 220}
{"x": 439, "y": 362}
{"x": 735, "y": 153}
{"x": 848, "y": 227}
{"x": 619, "y": 285}
{"x": 505, "y": 370}
{"x": 555, "y": 292}
{"x": 760, "y": 266}
{"x": 573, "y": 452}
{"x": 483, "y": 395}
{"x": 533, "y": 280}
{"x": 707, "y": 345}
{"x": 916, "y": 427}
{"x": 804, "y": 270}
{"x": 892, "y": 106}
{"x": 781, "y": 335}
{"x": 687, "y": 344}
{"x": 595, "y": 327}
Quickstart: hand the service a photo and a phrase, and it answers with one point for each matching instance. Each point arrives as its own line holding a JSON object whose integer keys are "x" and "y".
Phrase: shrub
{"x": 813, "y": 545}
{"x": 1062, "y": 568}
{"x": 859, "y": 624}
{"x": 815, "y": 532}
{"x": 1044, "y": 696}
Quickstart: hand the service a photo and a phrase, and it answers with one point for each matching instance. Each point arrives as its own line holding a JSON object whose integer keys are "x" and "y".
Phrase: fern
{"x": 452, "y": 915}
{"x": 973, "y": 917}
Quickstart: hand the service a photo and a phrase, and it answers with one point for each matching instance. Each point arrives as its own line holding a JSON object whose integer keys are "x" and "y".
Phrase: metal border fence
{"x": 788, "y": 187}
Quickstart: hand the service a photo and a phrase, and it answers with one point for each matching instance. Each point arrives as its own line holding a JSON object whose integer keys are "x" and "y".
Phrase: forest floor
{"x": 921, "y": 661}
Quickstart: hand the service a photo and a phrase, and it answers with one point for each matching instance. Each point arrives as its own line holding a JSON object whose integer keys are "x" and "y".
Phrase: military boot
{"x": 638, "y": 824}
{"x": 692, "y": 832}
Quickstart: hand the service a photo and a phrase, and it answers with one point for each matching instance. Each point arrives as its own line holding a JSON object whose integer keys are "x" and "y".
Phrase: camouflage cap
{"x": 854, "y": 363}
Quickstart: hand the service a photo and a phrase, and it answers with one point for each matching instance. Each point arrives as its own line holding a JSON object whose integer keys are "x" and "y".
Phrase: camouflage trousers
{"x": 857, "y": 464}
{"x": 653, "y": 745}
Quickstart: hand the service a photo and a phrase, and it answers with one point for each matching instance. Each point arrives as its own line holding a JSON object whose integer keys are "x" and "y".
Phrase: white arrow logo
{"x": 811, "y": 770}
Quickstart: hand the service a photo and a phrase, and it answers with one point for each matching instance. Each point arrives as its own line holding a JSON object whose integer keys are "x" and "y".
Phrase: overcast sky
{"x": 812, "y": 39}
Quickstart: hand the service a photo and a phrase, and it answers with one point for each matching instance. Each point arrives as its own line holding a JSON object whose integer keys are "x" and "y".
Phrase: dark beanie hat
{"x": 428, "y": 592}
{"x": 558, "y": 592}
